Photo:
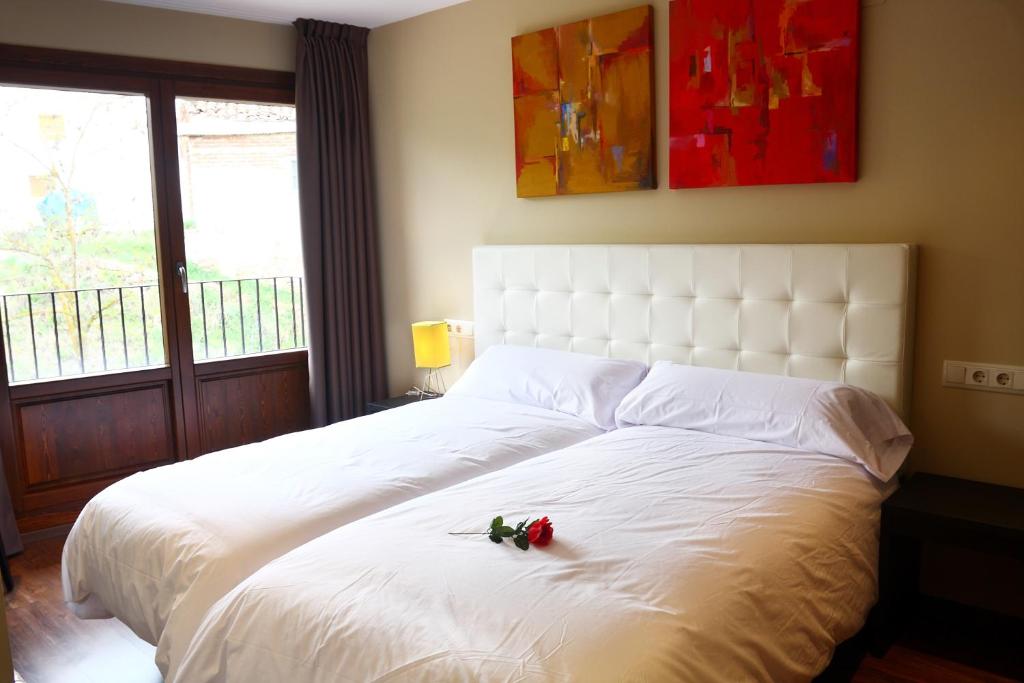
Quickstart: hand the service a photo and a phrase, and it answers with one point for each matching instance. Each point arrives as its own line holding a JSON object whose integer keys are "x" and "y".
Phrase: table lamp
{"x": 430, "y": 346}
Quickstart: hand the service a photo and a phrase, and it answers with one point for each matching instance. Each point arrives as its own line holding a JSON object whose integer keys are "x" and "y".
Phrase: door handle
{"x": 182, "y": 277}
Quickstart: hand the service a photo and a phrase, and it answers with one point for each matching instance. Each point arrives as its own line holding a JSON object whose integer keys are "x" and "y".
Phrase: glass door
{"x": 237, "y": 258}
{"x": 240, "y": 213}
{"x": 151, "y": 293}
{"x": 79, "y": 279}
{"x": 90, "y": 390}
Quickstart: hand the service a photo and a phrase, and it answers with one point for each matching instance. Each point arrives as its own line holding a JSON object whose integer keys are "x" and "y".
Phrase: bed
{"x": 681, "y": 554}
{"x": 685, "y": 557}
{"x": 157, "y": 549}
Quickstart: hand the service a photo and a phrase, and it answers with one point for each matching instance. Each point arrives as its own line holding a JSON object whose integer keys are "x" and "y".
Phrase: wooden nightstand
{"x": 394, "y": 402}
{"x": 930, "y": 508}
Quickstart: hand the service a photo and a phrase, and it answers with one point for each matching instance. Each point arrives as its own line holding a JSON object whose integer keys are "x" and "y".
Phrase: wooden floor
{"x": 50, "y": 645}
{"x": 904, "y": 665}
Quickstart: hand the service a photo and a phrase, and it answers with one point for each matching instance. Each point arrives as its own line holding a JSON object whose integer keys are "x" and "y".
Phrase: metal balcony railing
{"x": 49, "y": 335}
{"x": 256, "y": 315}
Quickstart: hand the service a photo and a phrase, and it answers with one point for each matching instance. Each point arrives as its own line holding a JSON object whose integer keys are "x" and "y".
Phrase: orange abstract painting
{"x": 583, "y": 97}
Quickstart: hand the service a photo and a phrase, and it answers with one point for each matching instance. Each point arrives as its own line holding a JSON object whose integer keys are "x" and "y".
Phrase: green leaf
{"x": 497, "y": 522}
{"x": 505, "y": 531}
{"x": 519, "y": 527}
{"x": 495, "y": 538}
{"x": 522, "y": 542}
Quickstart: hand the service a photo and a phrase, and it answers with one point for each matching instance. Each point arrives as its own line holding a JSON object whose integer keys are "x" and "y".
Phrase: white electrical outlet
{"x": 460, "y": 342}
{"x": 1006, "y": 379}
{"x": 977, "y": 376}
{"x": 1002, "y": 379}
{"x": 460, "y": 328}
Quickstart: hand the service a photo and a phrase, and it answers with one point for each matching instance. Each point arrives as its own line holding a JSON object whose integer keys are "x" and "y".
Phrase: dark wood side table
{"x": 394, "y": 402}
{"x": 930, "y": 508}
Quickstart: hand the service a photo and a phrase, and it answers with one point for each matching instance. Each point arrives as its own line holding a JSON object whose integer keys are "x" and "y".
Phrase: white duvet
{"x": 678, "y": 556}
{"x": 158, "y": 548}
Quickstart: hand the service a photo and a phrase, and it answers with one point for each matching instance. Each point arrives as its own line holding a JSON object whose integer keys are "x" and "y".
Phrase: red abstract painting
{"x": 762, "y": 92}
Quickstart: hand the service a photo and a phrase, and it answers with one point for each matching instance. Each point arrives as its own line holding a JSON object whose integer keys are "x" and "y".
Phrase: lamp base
{"x": 433, "y": 385}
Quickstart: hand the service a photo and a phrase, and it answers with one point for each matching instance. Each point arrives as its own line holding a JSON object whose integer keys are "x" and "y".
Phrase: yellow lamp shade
{"x": 430, "y": 344}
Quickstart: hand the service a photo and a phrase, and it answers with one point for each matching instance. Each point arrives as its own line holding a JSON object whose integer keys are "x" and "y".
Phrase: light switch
{"x": 955, "y": 374}
{"x": 1018, "y": 381}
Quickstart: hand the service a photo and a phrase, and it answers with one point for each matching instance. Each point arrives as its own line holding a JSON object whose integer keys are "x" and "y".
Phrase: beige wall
{"x": 942, "y": 166}
{"x": 113, "y": 28}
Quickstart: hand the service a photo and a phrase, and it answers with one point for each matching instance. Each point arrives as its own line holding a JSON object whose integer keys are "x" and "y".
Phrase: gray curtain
{"x": 339, "y": 232}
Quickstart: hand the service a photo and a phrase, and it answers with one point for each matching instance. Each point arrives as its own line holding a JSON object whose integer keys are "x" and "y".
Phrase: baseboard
{"x": 48, "y": 532}
{"x": 45, "y": 521}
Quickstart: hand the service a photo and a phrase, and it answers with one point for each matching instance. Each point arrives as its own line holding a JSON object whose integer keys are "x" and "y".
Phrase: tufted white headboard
{"x": 840, "y": 312}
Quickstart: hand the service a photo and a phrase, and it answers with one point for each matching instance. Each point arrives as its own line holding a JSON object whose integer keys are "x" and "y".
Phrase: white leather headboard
{"x": 840, "y": 312}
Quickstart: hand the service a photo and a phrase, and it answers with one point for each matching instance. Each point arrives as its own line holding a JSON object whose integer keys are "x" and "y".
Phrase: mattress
{"x": 678, "y": 556}
{"x": 157, "y": 549}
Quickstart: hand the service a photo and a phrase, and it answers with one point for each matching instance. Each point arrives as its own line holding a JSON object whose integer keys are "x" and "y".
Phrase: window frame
{"x": 161, "y": 81}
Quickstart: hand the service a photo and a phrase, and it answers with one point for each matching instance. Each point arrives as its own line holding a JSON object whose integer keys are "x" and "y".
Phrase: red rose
{"x": 541, "y": 532}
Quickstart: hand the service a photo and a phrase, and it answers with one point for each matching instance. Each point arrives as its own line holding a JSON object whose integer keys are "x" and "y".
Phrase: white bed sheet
{"x": 158, "y": 548}
{"x": 678, "y": 556}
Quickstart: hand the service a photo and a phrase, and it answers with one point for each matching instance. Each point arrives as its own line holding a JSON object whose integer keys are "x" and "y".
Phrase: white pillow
{"x": 823, "y": 417}
{"x": 589, "y": 387}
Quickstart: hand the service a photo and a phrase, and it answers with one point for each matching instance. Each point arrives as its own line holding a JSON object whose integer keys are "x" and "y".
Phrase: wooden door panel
{"x": 94, "y": 435}
{"x": 243, "y": 406}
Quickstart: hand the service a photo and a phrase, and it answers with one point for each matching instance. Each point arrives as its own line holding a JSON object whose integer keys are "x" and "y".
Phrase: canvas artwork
{"x": 582, "y": 96}
{"x": 762, "y": 91}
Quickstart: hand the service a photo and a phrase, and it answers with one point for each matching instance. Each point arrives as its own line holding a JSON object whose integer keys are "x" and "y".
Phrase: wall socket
{"x": 459, "y": 328}
{"x": 460, "y": 341}
{"x": 977, "y": 376}
{"x": 1007, "y": 379}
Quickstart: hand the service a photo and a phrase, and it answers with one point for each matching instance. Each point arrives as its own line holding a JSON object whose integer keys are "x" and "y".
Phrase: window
{"x": 78, "y": 269}
{"x": 240, "y": 207}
